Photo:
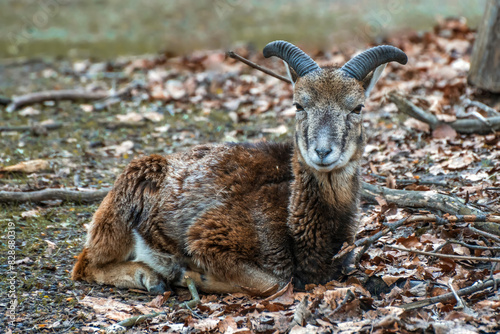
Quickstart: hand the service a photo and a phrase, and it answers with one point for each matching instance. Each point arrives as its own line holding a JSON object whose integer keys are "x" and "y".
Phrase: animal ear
{"x": 292, "y": 75}
{"x": 371, "y": 79}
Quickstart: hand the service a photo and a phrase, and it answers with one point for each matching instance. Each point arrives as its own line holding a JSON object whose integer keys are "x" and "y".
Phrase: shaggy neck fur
{"x": 322, "y": 210}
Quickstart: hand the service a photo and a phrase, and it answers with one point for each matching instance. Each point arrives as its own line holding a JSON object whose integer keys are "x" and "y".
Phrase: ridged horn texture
{"x": 359, "y": 66}
{"x": 295, "y": 57}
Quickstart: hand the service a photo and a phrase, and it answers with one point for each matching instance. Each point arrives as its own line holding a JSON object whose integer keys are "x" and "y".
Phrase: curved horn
{"x": 295, "y": 57}
{"x": 359, "y": 66}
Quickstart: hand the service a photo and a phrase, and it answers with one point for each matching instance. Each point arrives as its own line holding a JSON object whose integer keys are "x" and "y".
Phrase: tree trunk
{"x": 485, "y": 65}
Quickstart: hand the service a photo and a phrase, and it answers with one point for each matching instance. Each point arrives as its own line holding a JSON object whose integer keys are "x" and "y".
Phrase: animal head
{"x": 329, "y": 101}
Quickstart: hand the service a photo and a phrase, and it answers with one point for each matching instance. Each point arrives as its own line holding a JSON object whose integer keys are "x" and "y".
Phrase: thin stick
{"x": 413, "y": 181}
{"x": 233, "y": 55}
{"x": 52, "y": 194}
{"x": 54, "y": 95}
{"x": 33, "y": 128}
{"x": 194, "y": 294}
{"x": 485, "y": 234}
{"x": 367, "y": 242}
{"x": 132, "y": 321}
{"x": 473, "y": 246}
{"x": 460, "y": 302}
{"x": 448, "y": 256}
{"x": 449, "y": 296}
{"x": 419, "y": 199}
{"x": 349, "y": 297}
{"x": 482, "y": 106}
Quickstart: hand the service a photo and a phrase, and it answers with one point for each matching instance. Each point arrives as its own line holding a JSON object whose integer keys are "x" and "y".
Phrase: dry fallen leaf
{"x": 282, "y": 129}
{"x": 124, "y": 147}
{"x": 29, "y": 111}
{"x": 112, "y": 309}
{"x": 444, "y": 131}
{"x": 31, "y": 166}
{"x": 460, "y": 162}
{"x": 51, "y": 246}
{"x": 284, "y": 296}
{"x": 153, "y": 116}
{"x": 160, "y": 300}
{"x": 130, "y": 118}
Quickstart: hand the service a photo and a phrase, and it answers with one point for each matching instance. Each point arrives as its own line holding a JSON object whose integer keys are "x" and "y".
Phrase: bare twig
{"x": 132, "y": 321}
{"x": 54, "y": 95}
{"x": 194, "y": 294}
{"x": 462, "y": 125}
{"x": 449, "y": 296}
{"x": 489, "y": 227}
{"x": 418, "y": 199}
{"x": 458, "y": 242}
{"x": 485, "y": 234}
{"x": 85, "y": 196}
{"x": 489, "y": 110}
{"x": 35, "y": 128}
{"x": 72, "y": 95}
{"x": 349, "y": 297}
{"x": 233, "y": 55}
{"x": 368, "y": 241}
{"x": 413, "y": 181}
{"x": 448, "y": 256}
{"x": 460, "y": 302}
{"x": 481, "y": 118}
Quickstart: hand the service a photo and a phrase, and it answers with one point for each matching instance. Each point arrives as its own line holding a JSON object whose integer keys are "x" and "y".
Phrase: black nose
{"x": 323, "y": 152}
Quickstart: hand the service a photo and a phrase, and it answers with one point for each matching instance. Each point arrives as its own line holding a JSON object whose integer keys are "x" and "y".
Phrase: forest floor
{"x": 205, "y": 97}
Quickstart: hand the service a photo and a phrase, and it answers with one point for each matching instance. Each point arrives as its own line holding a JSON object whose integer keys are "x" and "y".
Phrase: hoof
{"x": 159, "y": 288}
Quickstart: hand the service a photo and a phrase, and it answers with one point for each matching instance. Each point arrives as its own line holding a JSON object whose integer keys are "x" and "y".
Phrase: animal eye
{"x": 298, "y": 106}
{"x": 357, "y": 110}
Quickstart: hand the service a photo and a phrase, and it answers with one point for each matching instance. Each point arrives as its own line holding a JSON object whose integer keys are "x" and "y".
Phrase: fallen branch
{"x": 120, "y": 124}
{"x": 54, "y": 95}
{"x": 458, "y": 242}
{"x": 413, "y": 181}
{"x": 489, "y": 110}
{"x": 418, "y": 199}
{"x": 489, "y": 227}
{"x": 132, "y": 321}
{"x": 233, "y": 55}
{"x": 447, "y": 256}
{"x": 450, "y": 296}
{"x": 484, "y": 234}
{"x": 479, "y": 126}
{"x": 35, "y": 128}
{"x": 86, "y": 196}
